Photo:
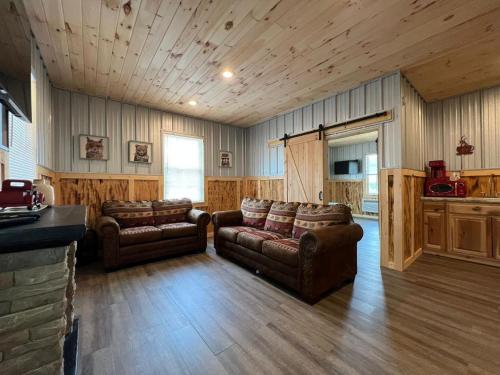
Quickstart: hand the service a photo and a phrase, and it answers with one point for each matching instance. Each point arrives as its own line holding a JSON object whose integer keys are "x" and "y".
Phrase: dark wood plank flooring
{"x": 200, "y": 314}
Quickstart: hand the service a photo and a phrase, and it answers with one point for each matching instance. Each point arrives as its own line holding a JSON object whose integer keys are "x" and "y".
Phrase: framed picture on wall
{"x": 94, "y": 147}
{"x": 225, "y": 159}
{"x": 140, "y": 152}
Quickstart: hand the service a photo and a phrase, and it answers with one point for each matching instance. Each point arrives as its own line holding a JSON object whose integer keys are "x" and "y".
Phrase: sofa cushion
{"x": 175, "y": 230}
{"x": 129, "y": 214}
{"x": 255, "y": 212}
{"x": 314, "y": 216}
{"x": 230, "y": 233}
{"x": 280, "y": 218}
{"x": 285, "y": 251}
{"x": 253, "y": 240}
{"x": 171, "y": 210}
{"x": 136, "y": 235}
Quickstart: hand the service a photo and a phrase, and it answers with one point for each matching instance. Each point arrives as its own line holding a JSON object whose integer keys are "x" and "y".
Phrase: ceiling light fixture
{"x": 192, "y": 102}
{"x": 227, "y": 74}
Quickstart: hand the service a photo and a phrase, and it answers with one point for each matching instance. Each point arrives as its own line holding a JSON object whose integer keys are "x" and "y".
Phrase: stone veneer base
{"x": 36, "y": 298}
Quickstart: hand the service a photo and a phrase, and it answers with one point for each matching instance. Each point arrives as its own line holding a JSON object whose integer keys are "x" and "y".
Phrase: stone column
{"x": 33, "y": 309}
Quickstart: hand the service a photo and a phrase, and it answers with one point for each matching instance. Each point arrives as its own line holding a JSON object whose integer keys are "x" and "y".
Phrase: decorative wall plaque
{"x": 464, "y": 148}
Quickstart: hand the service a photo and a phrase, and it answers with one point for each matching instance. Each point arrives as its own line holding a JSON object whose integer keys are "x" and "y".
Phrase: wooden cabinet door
{"x": 495, "y": 224}
{"x": 435, "y": 231}
{"x": 305, "y": 169}
{"x": 470, "y": 235}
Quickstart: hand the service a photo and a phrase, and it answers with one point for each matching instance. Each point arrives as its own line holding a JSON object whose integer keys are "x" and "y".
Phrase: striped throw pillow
{"x": 129, "y": 214}
{"x": 171, "y": 210}
{"x": 255, "y": 212}
{"x": 281, "y": 217}
{"x": 314, "y": 216}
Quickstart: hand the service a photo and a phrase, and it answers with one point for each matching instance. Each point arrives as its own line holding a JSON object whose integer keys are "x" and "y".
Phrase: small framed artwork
{"x": 94, "y": 147}
{"x": 140, "y": 152}
{"x": 225, "y": 159}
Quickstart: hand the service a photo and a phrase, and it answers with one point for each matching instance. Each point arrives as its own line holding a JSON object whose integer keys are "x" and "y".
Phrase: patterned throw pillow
{"x": 255, "y": 212}
{"x": 280, "y": 218}
{"x": 171, "y": 211}
{"x": 314, "y": 216}
{"x": 129, "y": 214}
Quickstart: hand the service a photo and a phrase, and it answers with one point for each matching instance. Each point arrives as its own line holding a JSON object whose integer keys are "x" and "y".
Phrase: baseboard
{"x": 361, "y": 216}
{"x": 408, "y": 262}
{"x": 486, "y": 262}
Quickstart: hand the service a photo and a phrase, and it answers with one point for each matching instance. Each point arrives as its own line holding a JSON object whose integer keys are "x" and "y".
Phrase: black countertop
{"x": 58, "y": 226}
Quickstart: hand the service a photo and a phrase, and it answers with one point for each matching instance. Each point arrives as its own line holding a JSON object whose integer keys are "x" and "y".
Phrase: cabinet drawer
{"x": 434, "y": 206}
{"x": 474, "y": 209}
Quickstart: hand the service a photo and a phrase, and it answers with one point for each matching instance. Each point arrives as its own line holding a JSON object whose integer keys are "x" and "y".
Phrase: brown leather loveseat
{"x": 130, "y": 232}
{"x": 309, "y": 248}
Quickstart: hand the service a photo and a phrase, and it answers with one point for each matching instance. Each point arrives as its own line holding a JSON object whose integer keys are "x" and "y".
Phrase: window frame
{"x": 366, "y": 174}
{"x": 164, "y": 134}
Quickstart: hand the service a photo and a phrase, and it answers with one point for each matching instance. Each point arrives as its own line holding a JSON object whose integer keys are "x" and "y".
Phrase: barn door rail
{"x": 375, "y": 118}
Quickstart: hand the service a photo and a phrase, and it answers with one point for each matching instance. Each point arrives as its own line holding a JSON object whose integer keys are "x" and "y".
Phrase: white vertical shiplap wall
{"x": 42, "y": 114}
{"x": 22, "y": 158}
{"x": 490, "y": 119}
{"x": 351, "y": 152}
{"x": 375, "y": 96}
{"x": 413, "y": 118}
{"x": 476, "y": 116}
{"x": 76, "y": 114}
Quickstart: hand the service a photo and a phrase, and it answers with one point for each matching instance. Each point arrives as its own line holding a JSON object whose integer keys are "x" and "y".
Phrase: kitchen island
{"x": 37, "y": 287}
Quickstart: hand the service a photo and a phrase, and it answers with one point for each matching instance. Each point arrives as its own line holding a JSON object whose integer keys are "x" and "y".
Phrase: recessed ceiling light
{"x": 192, "y": 102}
{"x": 227, "y": 74}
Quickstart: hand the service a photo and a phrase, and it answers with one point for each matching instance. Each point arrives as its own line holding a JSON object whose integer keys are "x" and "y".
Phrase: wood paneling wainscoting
{"x": 349, "y": 192}
{"x": 401, "y": 213}
{"x": 482, "y": 183}
{"x": 4, "y": 165}
{"x": 91, "y": 190}
{"x": 265, "y": 187}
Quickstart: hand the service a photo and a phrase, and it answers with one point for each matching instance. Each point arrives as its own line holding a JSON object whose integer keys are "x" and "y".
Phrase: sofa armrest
{"x": 198, "y": 217}
{"x": 330, "y": 238}
{"x": 109, "y": 237}
{"x": 327, "y": 258}
{"x": 227, "y": 218}
{"x": 107, "y": 226}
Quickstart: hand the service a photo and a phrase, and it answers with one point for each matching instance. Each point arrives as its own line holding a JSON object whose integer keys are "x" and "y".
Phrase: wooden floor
{"x": 201, "y": 314}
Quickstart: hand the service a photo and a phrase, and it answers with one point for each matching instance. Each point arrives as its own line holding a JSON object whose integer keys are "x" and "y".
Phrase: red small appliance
{"x": 19, "y": 193}
{"x": 440, "y": 185}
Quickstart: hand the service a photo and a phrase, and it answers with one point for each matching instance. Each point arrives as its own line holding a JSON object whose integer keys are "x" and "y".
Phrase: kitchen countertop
{"x": 57, "y": 226}
{"x": 462, "y": 200}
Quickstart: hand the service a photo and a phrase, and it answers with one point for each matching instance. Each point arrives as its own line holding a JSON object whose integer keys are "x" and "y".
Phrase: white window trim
{"x": 163, "y": 134}
{"x": 366, "y": 195}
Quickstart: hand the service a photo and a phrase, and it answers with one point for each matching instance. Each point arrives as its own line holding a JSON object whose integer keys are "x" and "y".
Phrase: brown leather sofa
{"x": 311, "y": 249}
{"x": 131, "y": 232}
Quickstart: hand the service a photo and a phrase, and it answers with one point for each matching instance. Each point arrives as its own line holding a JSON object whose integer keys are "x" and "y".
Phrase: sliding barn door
{"x": 305, "y": 167}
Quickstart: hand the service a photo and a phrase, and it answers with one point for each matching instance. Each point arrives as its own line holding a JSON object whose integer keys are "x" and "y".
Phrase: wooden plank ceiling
{"x": 284, "y": 53}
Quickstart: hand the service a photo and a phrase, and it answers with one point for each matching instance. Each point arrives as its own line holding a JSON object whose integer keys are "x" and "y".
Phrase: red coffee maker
{"x": 440, "y": 185}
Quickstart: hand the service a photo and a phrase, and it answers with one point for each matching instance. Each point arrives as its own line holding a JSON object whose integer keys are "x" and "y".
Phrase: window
{"x": 183, "y": 174}
{"x": 22, "y": 160}
{"x": 371, "y": 171}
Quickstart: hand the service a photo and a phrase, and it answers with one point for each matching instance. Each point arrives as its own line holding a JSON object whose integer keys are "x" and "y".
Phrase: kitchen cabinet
{"x": 467, "y": 230}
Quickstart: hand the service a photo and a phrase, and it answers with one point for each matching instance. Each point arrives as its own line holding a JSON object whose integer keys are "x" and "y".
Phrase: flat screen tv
{"x": 346, "y": 167}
